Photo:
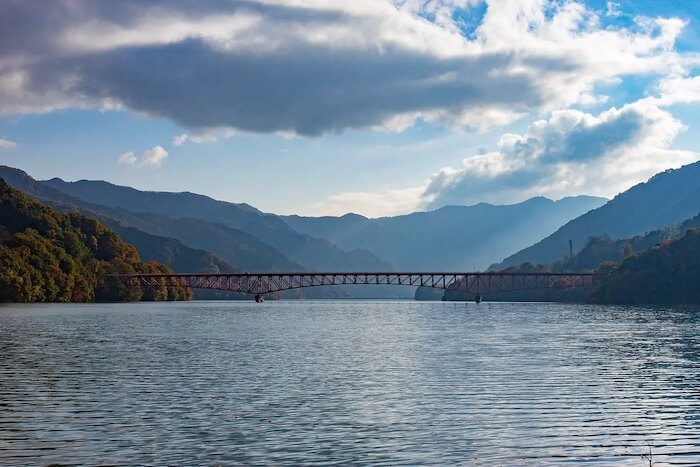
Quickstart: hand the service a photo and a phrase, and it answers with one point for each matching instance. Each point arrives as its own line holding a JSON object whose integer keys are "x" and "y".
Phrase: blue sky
{"x": 378, "y": 107}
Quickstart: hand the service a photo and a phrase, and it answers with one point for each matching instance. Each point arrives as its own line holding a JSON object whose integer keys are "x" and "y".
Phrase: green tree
{"x": 49, "y": 256}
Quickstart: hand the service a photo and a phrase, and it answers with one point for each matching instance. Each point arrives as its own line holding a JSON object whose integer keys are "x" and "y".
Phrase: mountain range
{"x": 191, "y": 232}
{"x": 452, "y": 238}
{"x": 183, "y": 244}
{"x": 313, "y": 252}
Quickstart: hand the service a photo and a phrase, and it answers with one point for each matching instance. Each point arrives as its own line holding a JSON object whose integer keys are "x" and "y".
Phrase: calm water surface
{"x": 348, "y": 383}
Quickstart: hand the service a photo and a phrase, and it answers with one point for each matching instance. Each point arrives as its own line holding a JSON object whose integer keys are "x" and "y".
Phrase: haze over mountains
{"x": 185, "y": 243}
{"x": 666, "y": 199}
{"x": 313, "y": 252}
{"x": 453, "y": 238}
{"x": 197, "y": 233}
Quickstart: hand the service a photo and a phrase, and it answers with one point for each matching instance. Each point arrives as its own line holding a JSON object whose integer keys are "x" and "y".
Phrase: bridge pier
{"x": 259, "y": 298}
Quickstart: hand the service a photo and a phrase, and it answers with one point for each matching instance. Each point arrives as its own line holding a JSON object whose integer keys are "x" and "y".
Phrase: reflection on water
{"x": 351, "y": 382}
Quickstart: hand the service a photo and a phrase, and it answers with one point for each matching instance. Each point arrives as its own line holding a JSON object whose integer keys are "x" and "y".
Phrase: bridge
{"x": 472, "y": 283}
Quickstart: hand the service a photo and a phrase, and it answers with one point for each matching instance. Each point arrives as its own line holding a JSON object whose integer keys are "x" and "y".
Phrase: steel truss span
{"x": 476, "y": 283}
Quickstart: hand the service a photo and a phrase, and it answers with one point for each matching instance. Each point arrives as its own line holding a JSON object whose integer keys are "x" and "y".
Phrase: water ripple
{"x": 387, "y": 383}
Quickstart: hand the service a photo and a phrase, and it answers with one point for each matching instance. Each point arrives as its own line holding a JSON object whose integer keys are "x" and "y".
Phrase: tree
{"x": 48, "y": 256}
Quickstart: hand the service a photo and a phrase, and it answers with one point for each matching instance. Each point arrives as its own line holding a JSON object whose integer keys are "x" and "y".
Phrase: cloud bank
{"x": 311, "y": 67}
{"x": 570, "y": 152}
{"x": 314, "y": 67}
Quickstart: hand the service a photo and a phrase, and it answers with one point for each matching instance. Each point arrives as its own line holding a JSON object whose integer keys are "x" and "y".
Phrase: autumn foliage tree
{"x": 48, "y": 256}
{"x": 669, "y": 273}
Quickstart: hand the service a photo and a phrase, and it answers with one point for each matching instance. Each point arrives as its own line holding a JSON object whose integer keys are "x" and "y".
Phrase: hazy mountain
{"x": 186, "y": 245}
{"x": 224, "y": 241}
{"x": 236, "y": 247}
{"x": 171, "y": 252}
{"x": 601, "y": 254}
{"x": 179, "y": 257}
{"x": 315, "y": 253}
{"x": 20, "y": 180}
{"x": 450, "y": 238}
{"x": 668, "y": 198}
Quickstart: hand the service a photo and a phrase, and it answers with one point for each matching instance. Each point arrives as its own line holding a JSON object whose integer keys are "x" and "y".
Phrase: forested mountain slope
{"x": 49, "y": 256}
{"x": 666, "y": 274}
{"x": 199, "y": 241}
{"x": 668, "y": 198}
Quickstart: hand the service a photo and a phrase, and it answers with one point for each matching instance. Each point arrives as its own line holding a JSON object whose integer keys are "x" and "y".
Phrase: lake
{"x": 349, "y": 382}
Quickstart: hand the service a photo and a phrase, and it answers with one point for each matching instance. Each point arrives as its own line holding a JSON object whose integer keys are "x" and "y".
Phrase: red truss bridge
{"x": 473, "y": 283}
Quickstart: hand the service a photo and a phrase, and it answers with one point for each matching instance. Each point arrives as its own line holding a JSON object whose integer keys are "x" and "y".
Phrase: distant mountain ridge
{"x": 184, "y": 244}
{"x": 201, "y": 233}
{"x": 315, "y": 253}
{"x": 668, "y": 198}
{"x": 453, "y": 237}
{"x": 179, "y": 257}
{"x": 244, "y": 250}
{"x": 450, "y": 238}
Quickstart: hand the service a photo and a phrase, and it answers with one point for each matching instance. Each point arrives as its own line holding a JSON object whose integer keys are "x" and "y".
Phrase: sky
{"x": 379, "y": 107}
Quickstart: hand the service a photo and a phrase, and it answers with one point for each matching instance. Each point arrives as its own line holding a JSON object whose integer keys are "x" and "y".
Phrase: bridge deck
{"x": 477, "y": 283}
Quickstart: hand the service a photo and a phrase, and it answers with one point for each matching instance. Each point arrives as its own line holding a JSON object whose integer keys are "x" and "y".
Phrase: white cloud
{"x": 310, "y": 67}
{"x": 388, "y": 202}
{"x": 153, "y": 157}
{"x": 179, "y": 140}
{"x": 210, "y": 135}
{"x": 677, "y": 90}
{"x": 7, "y": 144}
{"x": 613, "y": 9}
{"x": 206, "y": 135}
{"x": 570, "y": 153}
{"x": 128, "y": 158}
